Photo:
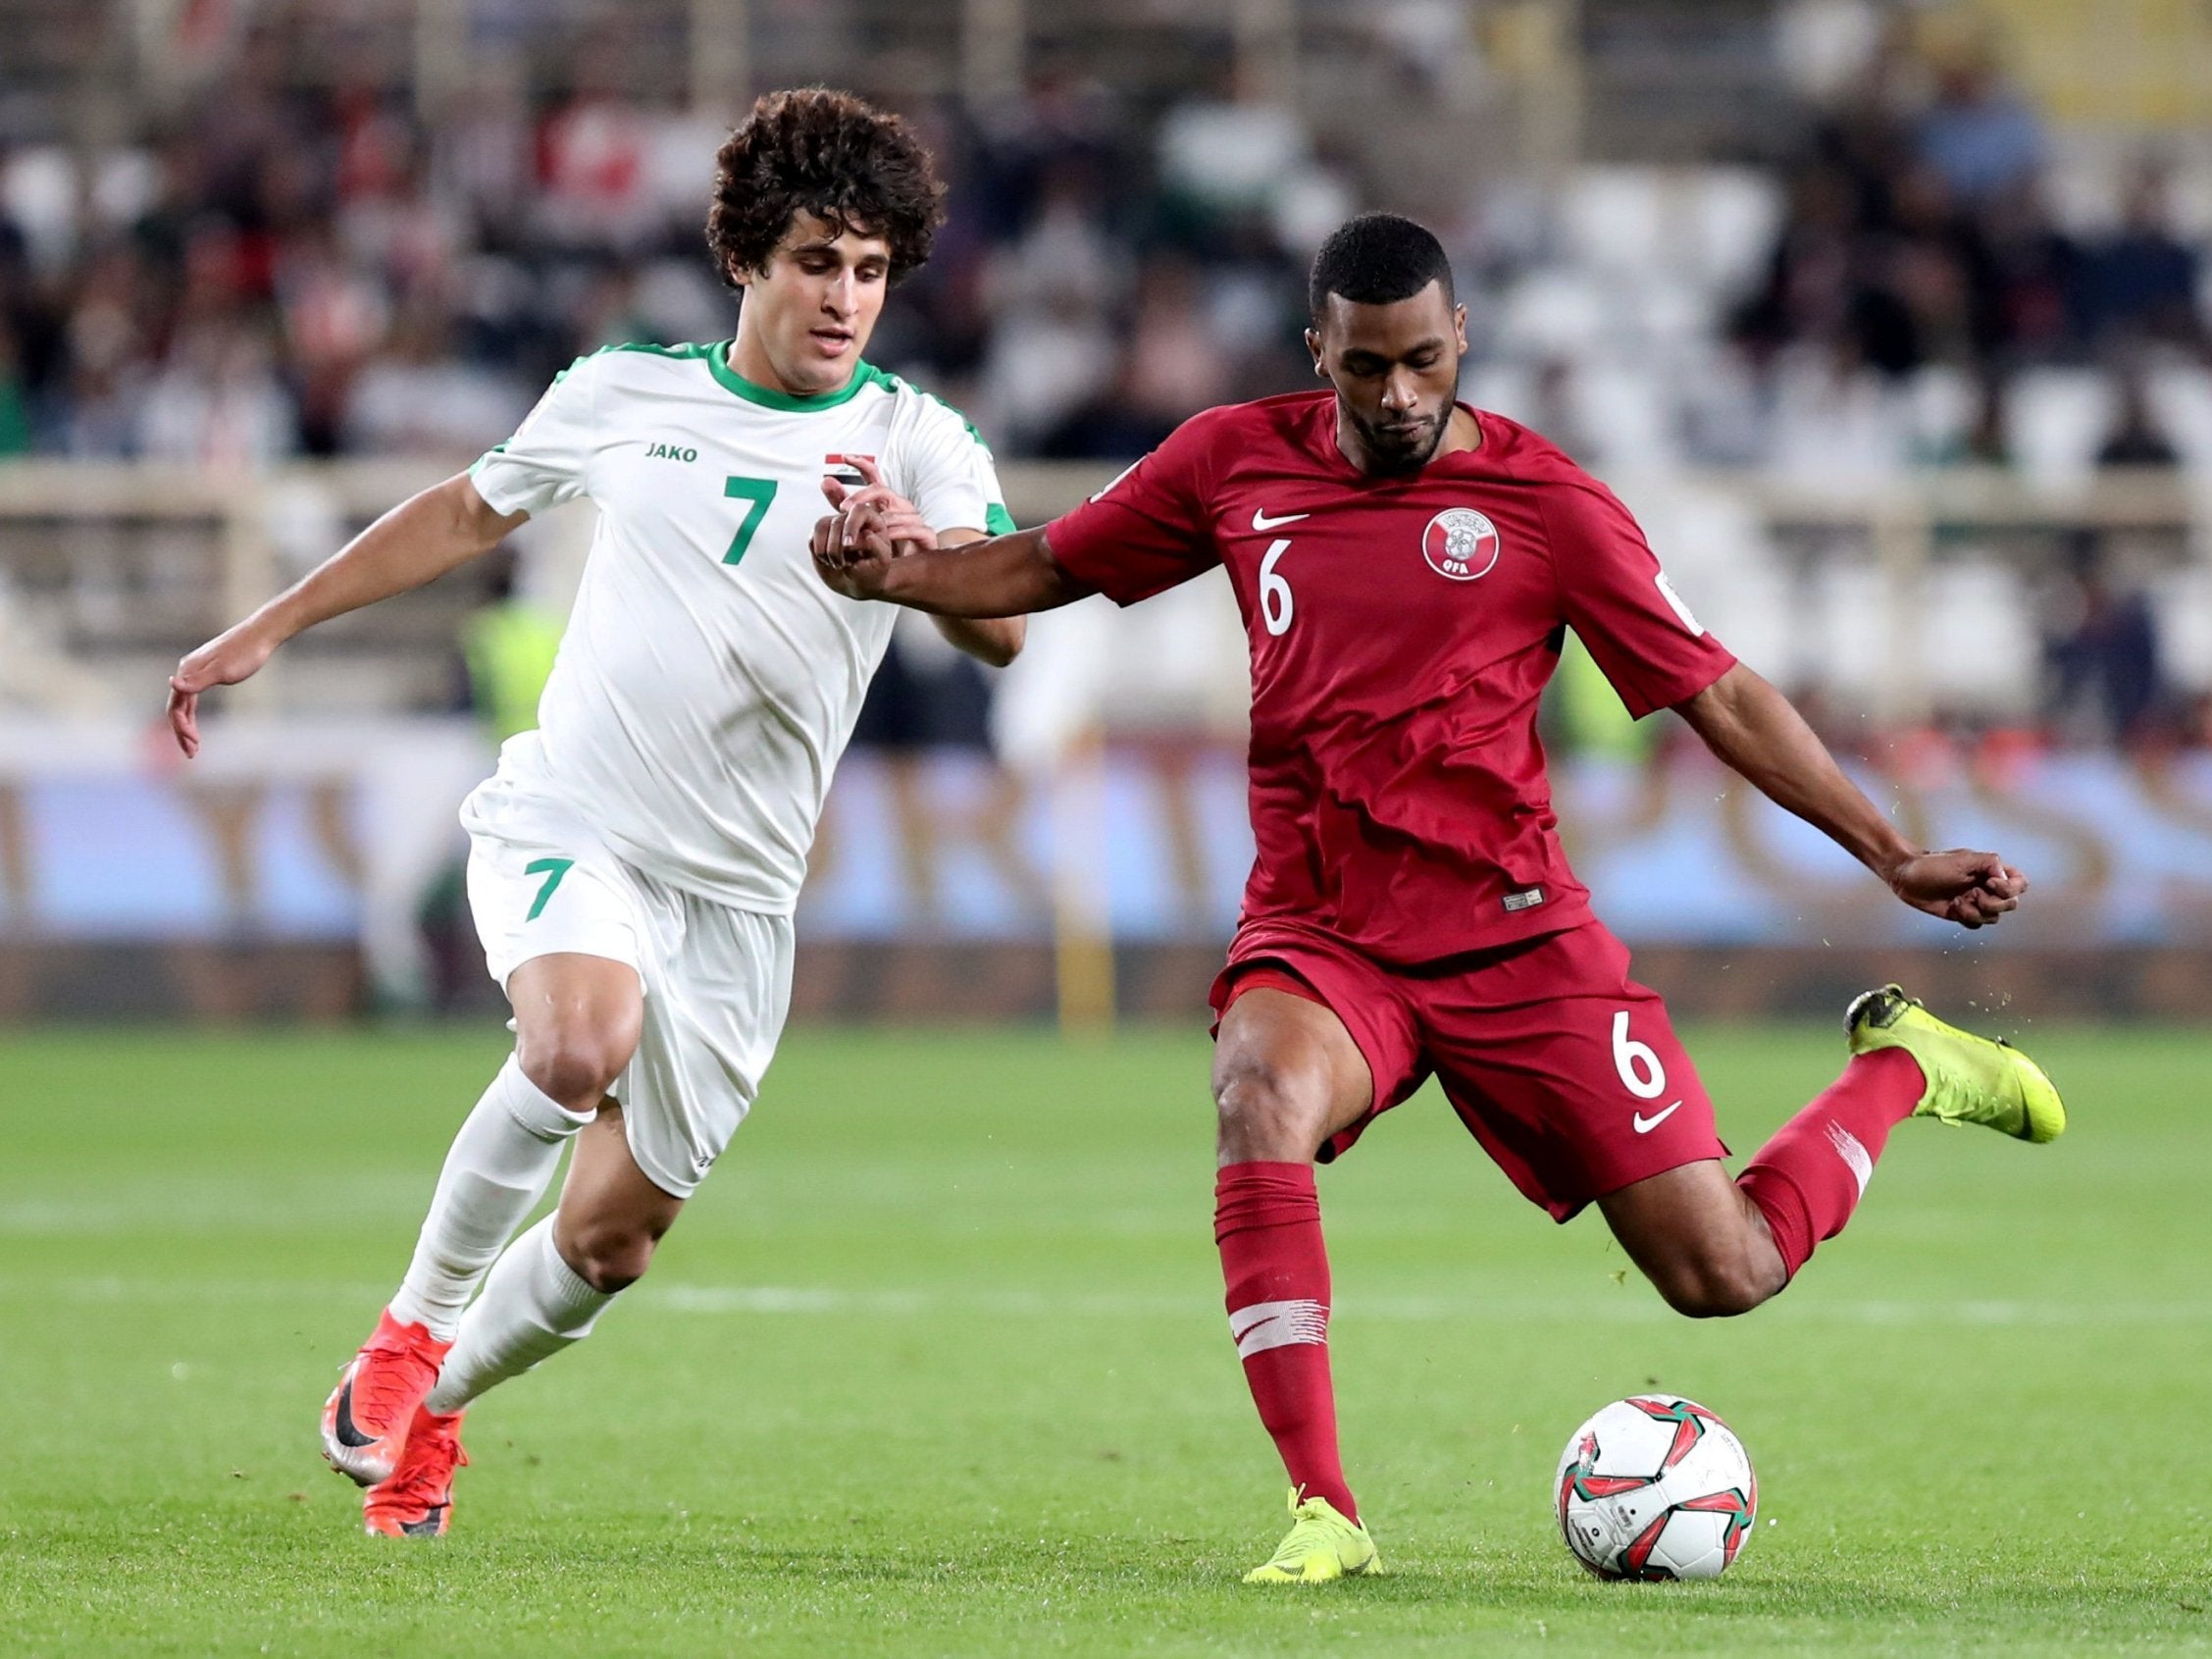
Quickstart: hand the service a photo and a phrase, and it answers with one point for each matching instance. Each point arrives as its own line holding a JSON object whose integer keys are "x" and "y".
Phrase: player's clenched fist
{"x": 857, "y": 574}
{"x": 874, "y": 517}
{"x": 869, "y": 527}
{"x": 1972, "y": 889}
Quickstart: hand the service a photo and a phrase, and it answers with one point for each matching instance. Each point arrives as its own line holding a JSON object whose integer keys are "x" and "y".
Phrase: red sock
{"x": 1267, "y": 1221}
{"x": 1809, "y": 1178}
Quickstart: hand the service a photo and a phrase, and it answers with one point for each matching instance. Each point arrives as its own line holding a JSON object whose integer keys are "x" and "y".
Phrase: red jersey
{"x": 1402, "y": 630}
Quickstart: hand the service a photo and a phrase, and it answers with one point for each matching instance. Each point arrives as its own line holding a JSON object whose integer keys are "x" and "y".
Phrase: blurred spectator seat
{"x": 219, "y": 403}
{"x": 1043, "y": 364}
{"x": 1051, "y": 294}
{"x": 1505, "y": 387}
{"x": 1989, "y": 668}
{"x": 37, "y": 674}
{"x": 1850, "y": 633}
{"x": 437, "y": 408}
{"x": 2059, "y": 418}
{"x": 1625, "y": 410}
{"x": 1830, "y": 422}
{"x": 1553, "y": 311}
{"x": 1940, "y": 403}
{"x": 1230, "y": 156}
{"x": 1708, "y": 226}
{"x": 1615, "y": 219}
{"x": 1669, "y": 314}
{"x": 39, "y": 192}
{"x": 2183, "y": 601}
{"x": 2181, "y": 400}
{"x": 1737, "y": 212}
{"x": 1176, "y": 663}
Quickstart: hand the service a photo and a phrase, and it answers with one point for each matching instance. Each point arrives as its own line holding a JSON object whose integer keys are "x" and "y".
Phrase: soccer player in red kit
{"x": 1406, "y": 565}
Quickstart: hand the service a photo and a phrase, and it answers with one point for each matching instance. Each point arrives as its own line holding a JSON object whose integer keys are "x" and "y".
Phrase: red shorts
{"x": 1565, "y": 1070}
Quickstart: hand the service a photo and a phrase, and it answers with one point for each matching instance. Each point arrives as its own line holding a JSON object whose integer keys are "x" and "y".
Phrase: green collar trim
{"x": 864, "y": 375}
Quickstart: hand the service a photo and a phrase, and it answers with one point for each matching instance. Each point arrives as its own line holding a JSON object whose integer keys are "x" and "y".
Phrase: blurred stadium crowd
{"x": 1896, "y": 345}
{"x": 300, "y": 265}
{"x": 1921, "y": 233}
{"x": 311, "y": 270}
{"x": 1913, "y": 275}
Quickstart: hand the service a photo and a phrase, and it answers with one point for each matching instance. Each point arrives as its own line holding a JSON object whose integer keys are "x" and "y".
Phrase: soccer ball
{"x": 1656, "y": 1488}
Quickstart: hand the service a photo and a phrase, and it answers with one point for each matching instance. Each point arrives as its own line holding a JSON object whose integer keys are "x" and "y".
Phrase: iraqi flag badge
{"x": 846, "y": 469}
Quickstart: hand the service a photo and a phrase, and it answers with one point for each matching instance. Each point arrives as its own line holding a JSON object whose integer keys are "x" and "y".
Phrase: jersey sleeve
{"x": 1619, "y": 604}
{"x": 950, "y": 477}
{"x": 545, "y": 462}
{"x": 1145, "y": 531}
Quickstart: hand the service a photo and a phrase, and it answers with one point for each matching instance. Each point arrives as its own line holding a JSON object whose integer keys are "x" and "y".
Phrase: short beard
{"x": 1391, "y": 456}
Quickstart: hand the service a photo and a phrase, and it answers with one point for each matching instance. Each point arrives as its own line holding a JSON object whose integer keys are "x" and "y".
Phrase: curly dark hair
{"x": 828, "y": 153}
{"x": 1375, "y": 259}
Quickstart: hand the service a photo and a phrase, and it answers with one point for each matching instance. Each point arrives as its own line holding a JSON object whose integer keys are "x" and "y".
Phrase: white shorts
{"x": 716, "y": 979}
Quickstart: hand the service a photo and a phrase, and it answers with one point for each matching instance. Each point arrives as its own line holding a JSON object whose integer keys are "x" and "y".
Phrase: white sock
{"x": 499, "y": 1169}
{"x": 534, "y": 1305}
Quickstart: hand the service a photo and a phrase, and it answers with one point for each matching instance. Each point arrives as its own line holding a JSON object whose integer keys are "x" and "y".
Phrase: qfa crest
{"x": 1460, "y": 543}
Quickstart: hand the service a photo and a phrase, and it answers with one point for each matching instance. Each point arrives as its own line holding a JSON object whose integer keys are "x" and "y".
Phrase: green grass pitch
{"x": 937, "y": 1365}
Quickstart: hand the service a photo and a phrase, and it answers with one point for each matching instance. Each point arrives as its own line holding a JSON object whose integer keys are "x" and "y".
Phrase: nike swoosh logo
{"x": 1261, "y": 521}
{"x": 1645, "y": 1125}
{"x": 348, "y": 1435}
{"x": 1236, "y": 1335}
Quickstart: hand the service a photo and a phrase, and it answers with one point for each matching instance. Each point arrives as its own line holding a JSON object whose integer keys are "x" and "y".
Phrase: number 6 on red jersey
{"x": 1276, "y": 606}
{"x": 1641, "y": 1073}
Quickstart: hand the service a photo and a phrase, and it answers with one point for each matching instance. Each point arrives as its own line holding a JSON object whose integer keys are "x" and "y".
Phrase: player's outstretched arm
{"x": 419, "y": 541}
{"x": 900, "y": 529}
{"x": 864, "y": 553}
{"x": 994, "y": 640}
{"x": 1753, "y": 728}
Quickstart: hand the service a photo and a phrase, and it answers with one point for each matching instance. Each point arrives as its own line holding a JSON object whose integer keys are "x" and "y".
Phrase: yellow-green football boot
{"x": 1969, "y": 1079}
{"x": 1321, "y": 1544}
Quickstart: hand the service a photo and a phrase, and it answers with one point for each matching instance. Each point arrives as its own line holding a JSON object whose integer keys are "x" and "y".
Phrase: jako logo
{"x": 669, "y": 453}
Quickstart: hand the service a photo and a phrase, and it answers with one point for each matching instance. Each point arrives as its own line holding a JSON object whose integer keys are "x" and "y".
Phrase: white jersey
{"x": 708, "y": 680}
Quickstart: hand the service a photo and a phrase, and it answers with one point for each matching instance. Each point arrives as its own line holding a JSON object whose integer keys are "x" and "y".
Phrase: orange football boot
{"x": 365, "y": 1419}
{"x": 416, "y": 1502}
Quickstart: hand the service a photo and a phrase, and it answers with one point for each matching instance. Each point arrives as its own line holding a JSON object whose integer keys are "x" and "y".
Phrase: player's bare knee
{"x": 1270, "y": 1107}
{"x": 1701, "y": 1299}
{"x": 1711, "y": 1287}
{"x": 610, "y": 1255}
{"x": 576, "y": 1066}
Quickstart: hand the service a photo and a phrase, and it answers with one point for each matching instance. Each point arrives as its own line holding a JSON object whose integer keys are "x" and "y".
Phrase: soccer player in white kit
{"x": 634, "y": 863}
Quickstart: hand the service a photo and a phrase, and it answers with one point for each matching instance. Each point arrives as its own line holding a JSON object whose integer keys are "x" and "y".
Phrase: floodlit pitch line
{"x": 1630, "y": 1306}
{"x": 206, "y": 1207}
{"x": 97, "y": 1288}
